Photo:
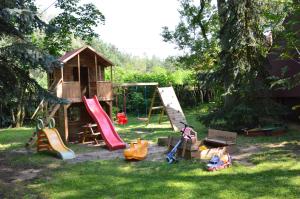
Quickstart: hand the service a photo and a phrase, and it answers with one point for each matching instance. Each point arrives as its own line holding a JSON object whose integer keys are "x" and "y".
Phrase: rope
{"x": 138, "y": 112}
{"x": 145, "y": 98}
{"x": 49, "y": 6}
{"x": 124, "y": 101}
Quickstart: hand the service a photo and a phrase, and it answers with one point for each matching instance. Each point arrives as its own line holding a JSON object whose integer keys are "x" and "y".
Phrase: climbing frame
{"x": 172, "y": 107}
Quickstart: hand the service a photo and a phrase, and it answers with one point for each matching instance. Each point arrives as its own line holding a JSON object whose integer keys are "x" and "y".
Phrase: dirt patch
{"x": 15, "y": 173}
{"x": 243, "y": 154}
{"x": 155, "y": 153}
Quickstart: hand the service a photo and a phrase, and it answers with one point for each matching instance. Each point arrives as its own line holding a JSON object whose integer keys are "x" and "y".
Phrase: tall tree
{"x": 239, "y": 62}
{"x": 18, "y": 55}
{"x": 74, "y": 21}
{"x": 196, "y": 34}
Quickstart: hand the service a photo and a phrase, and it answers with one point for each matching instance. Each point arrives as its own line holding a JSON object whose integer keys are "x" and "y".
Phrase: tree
{"x": 238, "y": 63}
{"x": 74, "y": 21}
{"x": 18, "y": 55}
{"x": 196, "y": 34}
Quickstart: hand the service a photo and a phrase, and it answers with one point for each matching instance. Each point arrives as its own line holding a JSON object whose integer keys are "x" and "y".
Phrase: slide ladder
{"x": 170, "y": 105}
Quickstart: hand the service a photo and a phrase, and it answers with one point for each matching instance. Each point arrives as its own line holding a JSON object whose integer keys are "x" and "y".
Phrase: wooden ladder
{"x": 153, "y": 107}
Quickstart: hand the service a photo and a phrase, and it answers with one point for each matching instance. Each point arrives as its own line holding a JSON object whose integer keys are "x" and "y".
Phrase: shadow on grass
{"x": 116, "y": 179}
{"x": 283, "y": 152}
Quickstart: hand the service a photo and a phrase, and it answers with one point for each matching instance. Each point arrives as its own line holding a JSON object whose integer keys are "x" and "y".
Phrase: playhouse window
{"x": 74, "y": 114}
{"x": 75, "y": 74}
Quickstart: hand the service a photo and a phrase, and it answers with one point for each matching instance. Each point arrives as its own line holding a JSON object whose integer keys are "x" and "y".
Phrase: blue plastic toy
{"x": 171, "y": 156}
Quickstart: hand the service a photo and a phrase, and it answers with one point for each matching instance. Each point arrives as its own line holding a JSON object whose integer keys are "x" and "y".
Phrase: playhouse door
{"x": 84, "y": 81}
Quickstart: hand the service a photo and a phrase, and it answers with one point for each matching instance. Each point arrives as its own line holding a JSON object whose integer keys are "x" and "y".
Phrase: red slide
{"x": 105, "y": 126}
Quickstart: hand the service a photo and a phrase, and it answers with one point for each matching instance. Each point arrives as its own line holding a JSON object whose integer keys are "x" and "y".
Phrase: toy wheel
{"x": 52, "y": 123}
{"x": 40, "y": 124}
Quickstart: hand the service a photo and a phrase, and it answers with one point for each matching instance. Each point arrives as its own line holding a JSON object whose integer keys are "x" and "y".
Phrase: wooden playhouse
{"x": 82, "y": 74}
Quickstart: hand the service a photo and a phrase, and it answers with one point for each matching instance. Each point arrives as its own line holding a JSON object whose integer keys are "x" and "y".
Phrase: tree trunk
{"x": 20, "y": 113}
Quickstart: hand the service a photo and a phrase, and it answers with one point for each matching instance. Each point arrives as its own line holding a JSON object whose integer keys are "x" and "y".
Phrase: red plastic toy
{"x": 122, "y": 119}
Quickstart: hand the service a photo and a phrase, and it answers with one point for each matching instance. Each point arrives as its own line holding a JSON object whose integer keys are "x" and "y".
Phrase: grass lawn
{"x": 275, "y": 172}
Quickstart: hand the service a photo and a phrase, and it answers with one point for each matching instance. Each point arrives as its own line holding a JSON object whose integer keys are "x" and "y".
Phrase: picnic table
{"x": 90, "y": 132}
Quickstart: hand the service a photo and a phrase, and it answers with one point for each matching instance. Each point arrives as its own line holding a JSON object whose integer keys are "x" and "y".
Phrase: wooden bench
{"x": 222, "y": 138}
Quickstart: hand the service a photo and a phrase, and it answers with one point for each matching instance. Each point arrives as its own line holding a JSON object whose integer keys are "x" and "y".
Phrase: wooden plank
{"x": 71, "y": 90}
{"x": 226, "y": 136}
{"x": 96, "y": 65}
{"x": 38, "y": 108}
{"x": 136, "y": 84}
{"x": 157, "y": 107}
{"x": 152, "y": 104}
{"x": 104, "y": 90}
{"x": 66, "y": 124}
{"x": 53, "y": 111}
{"x": 78, "y": 65}
{"x": 111, "y": 74}
{"x": 172, "y": 106}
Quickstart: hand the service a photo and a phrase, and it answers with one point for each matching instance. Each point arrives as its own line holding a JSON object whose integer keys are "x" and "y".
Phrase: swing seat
{"x": 144, "y": 119}
{"x": 122, "y": 119}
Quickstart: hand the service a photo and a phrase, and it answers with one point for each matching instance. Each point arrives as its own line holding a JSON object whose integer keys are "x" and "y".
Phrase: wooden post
{"x": 96, "y": 65}
{"x": 152, "y": 104}
{"x": 110, "y": 109}
{"x": 100, "y": 73}
{"x": 78, "y": 65}
{"x": 62, "y": 73}
{"x": 66, "y": 124}
{"x": 111, "y": 74}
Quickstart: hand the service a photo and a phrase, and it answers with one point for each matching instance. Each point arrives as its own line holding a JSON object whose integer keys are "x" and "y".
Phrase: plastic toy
{"x": 105, "y": 126}
{"x": 185, "y": 134}
{"x": 217, "y": 163}
{"x": 48, "y": 139}
{"x": 137, "y": 151}
{"x": 122, "y": 119}
{"x": 202, "y": 148}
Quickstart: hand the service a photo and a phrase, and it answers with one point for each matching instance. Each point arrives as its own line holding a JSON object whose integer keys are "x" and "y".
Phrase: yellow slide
{"x": 49, "y": 139}
{"x": 137, "y": 151}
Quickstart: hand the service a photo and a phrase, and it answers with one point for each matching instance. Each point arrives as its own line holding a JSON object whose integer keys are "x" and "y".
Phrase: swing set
{"x": 122, "y": 114}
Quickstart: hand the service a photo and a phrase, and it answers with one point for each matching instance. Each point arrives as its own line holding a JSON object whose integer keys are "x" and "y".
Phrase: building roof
{"x": 69, "y": 55}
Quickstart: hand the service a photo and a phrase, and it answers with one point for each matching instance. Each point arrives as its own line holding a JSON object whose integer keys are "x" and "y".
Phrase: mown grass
{"x": 275, "y": 174}
{"x": 119, "y": 179}
{"x": 14, "y": 138}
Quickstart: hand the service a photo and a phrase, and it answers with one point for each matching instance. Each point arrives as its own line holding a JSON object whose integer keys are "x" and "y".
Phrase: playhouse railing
{"x": 70, "y": 90}
{"x": 104, "y": 90}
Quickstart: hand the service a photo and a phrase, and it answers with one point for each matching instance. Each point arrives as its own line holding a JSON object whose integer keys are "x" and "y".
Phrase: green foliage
{"x": 74, "y": 20}
{"x": 228, "y": 40}
{"x": 196, "y": 34}
{"x": 24, "y": 50}
{"x": 17, "y": 57}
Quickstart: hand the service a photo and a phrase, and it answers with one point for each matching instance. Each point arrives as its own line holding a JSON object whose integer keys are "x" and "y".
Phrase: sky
{"x": 133, "y": 26}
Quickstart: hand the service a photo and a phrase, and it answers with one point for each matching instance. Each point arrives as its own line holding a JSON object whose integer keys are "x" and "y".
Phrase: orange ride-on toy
{"x": 137, "y": 151}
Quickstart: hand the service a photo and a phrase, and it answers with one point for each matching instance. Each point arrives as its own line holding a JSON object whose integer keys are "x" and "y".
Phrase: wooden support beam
{"x": 152, "y": 104}
{"x": 78, "y": 65}
{"x": 161, "y": 116}
{"x": 96, "y": 65}
{"x": 111, "y": 74}
{"x": 62, "y": 73}
{"x": 66, "y": 123}
{"x": 136, "y": 84}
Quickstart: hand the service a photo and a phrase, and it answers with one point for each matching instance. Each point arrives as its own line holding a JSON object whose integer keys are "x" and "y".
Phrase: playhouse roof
{"x": 69, "y": 55}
